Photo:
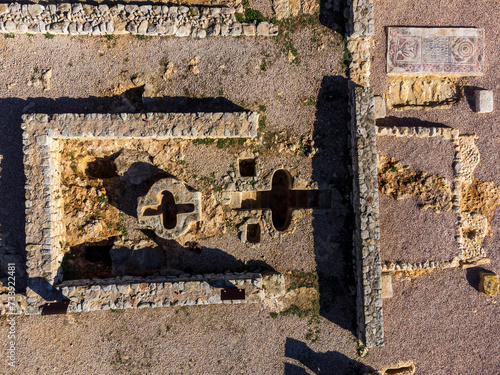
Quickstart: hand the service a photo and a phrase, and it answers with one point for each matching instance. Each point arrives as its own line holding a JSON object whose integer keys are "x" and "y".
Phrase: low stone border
{"x": 417, "y": 132}
{"x": 44, "y": 207}
{"x": 427, "y": 265}
{"x": 161, "y": 19}
{"x": 363, "y": 144}
{"x": 365, "y": 202}
{"x": 137, "y": 292}
{"x": 130, "y": 292}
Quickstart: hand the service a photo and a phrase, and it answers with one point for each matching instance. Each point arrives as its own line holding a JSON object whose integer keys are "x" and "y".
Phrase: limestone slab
{"x": 414, "y": 50}
{"x": 484, "y": 101}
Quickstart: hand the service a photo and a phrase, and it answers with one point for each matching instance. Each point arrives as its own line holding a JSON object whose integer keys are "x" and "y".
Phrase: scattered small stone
{"x": 193, "y": 66}
{"x": 46, "y": 77}
{"x": 169, "y": 70}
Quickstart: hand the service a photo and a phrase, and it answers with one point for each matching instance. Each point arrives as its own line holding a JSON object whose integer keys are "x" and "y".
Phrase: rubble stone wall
{"x": 161, "y": 19}
{"x": 365, "y": 201}
{"x": 140, "y": 292}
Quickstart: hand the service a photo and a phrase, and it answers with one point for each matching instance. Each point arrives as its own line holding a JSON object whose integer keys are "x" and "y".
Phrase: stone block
{"x": 488, "y": 283}
{"x": 387, "y": 286}
{"x": 435, "y": 50}
{"x": 484, "y": 101}
{"x": 379, "y": 107}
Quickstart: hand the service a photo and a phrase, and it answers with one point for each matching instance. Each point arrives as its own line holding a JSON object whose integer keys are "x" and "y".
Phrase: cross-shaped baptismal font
{"x": 169, "y": 208}
{"x": 281, "y": 199}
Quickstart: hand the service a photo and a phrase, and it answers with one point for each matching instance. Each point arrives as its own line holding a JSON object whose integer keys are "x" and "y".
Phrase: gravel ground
{"x": 411, "y": 234}
{"x": 441, "y": 321}
{"x": 415, "y": 153}
{"x": 308, "y": 98}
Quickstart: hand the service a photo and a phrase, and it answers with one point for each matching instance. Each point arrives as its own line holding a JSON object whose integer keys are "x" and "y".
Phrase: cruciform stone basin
{"x": 169, "y": 208}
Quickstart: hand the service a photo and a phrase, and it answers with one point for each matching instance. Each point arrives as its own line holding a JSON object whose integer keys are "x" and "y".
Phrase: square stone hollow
{"x": 484, "y": 101}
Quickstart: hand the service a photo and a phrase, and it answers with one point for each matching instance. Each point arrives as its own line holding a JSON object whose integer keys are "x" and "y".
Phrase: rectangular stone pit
{"x": 42, "y": 134}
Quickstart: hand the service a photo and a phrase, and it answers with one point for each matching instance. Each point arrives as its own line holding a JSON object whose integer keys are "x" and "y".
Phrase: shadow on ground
{"x": 473, "y": 276}
{"x": 333, "y": 228}
{"x": 330, "y": 362}
{"x": 391, "y": 121}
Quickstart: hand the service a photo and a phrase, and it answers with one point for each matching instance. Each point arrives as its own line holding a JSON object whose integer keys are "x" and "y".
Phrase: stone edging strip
{"x": 363, "y": 144}
{"x": 365, "y": 202}
{"x": 160, "y": 19}
{"x": 136, "y": 292}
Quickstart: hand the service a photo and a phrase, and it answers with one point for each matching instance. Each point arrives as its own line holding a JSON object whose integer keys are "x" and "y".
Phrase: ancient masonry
{"x": 85, "y": 19}
{"x": 44, "y": 210}
{"x": 459, "y": 174}
{"x": 366, "y": 236}
{"x": 363, "y": 133}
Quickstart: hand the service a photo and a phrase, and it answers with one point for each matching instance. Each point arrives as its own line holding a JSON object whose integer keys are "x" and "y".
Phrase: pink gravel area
{"x": 430, "y": 155}
{"x": 223, "y": 339}
{"x": 441, "y": 321}
{"x": 457, "y": 13}
{"x": 411, "y": 234}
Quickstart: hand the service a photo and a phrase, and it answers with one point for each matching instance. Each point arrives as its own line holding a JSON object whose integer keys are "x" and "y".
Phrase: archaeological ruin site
{"x": 250, "y": 187}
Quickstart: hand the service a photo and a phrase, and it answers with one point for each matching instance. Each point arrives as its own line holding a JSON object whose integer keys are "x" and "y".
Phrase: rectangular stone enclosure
{"x": 415, "y": 50}
{"x": 42, "y": 134}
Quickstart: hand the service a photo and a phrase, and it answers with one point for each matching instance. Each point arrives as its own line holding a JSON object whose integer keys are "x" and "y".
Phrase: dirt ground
{"x": 304, "y": 98}
{"x": 440, "y": 321}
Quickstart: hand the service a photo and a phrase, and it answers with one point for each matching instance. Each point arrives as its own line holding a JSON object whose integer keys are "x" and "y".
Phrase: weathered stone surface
{"x": 413, "y": 50}
{"x": 35, "y": 9}
{"x": 387, "y": 286}
{"x": 263, "y": 29}
{"x": 488, "y": 283}
{"x": 101, "y": 19}
{"x": 281, "y": 8}
{"x": 135, "y": 167}
{"x": 484, "y": 101}
{"x": 379, "y": 107}
{"x": 143, "y": 27}
{"x": 437, "y": 92}
{"x": 400, "y": 368}
{"x": 183, "y": 31}
{"x": 295, "y": 7}
{"x": 366, "y": 209}
{"x": 249, "y": 30}
{"x": 10, "y": 26}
